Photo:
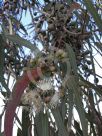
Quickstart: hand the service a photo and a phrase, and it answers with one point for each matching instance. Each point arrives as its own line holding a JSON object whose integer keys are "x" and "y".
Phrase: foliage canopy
{"x": 52, "y": 61}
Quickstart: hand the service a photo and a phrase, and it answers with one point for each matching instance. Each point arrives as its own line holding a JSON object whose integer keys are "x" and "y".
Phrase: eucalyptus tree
{"x": 50, "y": 67}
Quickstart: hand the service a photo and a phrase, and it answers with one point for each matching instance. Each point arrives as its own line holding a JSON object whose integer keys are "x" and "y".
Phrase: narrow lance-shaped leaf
{"x": 73, "y": 84}
{"x": 71, "y": 103}
{"x": 72, "y": 58}
{"x": 25, "y": 122}
{"x": 1, "y": 57}
{"x": 37, "y": 125}
{"x": 58, "y": 119}
{"x": 19, "y": 132}
{"x": 88, "y": 84}
{"x": 69, "y": 1}
{"x": 41, "y": 124}
{"x": 20, "y": 41}
{"x": 0, "y": 123}
{"x": 2, "y": 80}
{"x": 12, "y": 104}
{"x": 45, "y": 128}
{"x": 98, "y": 44}
{"x": 94, "y": 14}
{"x": 63, "y": 108}
{"x": 16, "y": 22}
{"x": 2, "y": 134}
{"x": 18, "y": 120}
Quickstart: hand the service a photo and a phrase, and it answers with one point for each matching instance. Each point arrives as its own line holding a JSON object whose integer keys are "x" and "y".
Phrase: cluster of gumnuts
{"x": 14, "y": 6}
{"x": 58, "y": 19}
{"x": 11, "y": 6}
{"x": 62, "y": 29}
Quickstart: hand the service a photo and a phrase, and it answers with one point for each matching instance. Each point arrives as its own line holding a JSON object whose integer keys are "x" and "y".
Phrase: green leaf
{"x": 25, "y": 122}
{"x": 70, "y": 110}
{"x": 37, "y": 127}
{"x": 41, "y": 124}
{"x": 78, "y": 129}
{"x": 2, "y": 134}
{"x": 73, "y": 85}
{"x": 18, "y": 120}
{"x": 44, "y": 119}
{"x": 72, "y": 58}
{"x": 19, "y": 132}
{"x": 47, "y": 7}
{"x": 69, "y": 1}
{"x": 2, "y": 80}
{"x": 63, "y": 108}
{"x": 94, "y": 13}
{"x": 7, "y": 94}
{"x": 1, "y": 56}
{"x": 22, "y": 42}
{"x": 61, "y": 128}
{"x": 67, "y": 70}
{"x": 87, "y": 84}
{"x": 15, "y": 21}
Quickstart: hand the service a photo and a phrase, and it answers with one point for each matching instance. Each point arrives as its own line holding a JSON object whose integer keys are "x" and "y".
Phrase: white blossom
{"x": 33, "y": 99}
{"x": 45, "y": 84}
{"x": 54, "y": 100}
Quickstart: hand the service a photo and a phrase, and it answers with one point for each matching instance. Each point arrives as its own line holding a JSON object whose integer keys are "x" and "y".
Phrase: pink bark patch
{"x": 12, "y": 104}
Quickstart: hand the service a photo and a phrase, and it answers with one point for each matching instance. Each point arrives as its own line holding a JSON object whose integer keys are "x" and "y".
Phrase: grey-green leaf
{"x": 2, "y": 80}
{"x": 94, "y": 13}
{"x": 72, "y": 58}
{"x": 22, "y": 42}
{"x": 41, "y": 124}
{"x": 59, "y": 122}
{"x": 73, "y": 84}
{"x": 70, "y": 110}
